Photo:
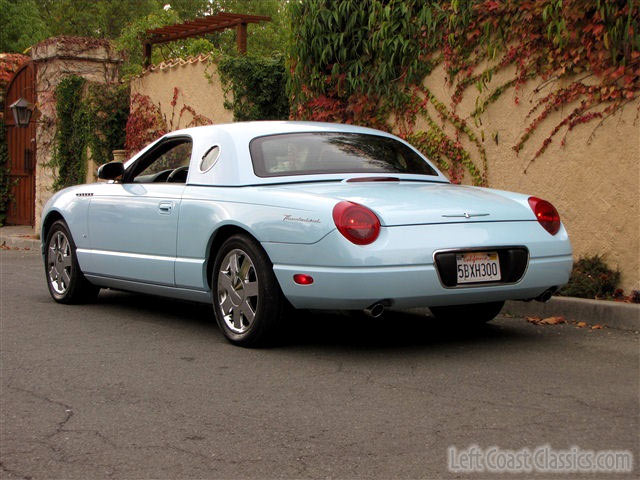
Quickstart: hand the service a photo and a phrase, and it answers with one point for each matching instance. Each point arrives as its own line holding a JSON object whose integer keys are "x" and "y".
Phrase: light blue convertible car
{"x": 257, "y": 217}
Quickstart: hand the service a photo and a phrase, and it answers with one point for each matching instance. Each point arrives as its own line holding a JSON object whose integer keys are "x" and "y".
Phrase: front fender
{"x": 72, "y": 204}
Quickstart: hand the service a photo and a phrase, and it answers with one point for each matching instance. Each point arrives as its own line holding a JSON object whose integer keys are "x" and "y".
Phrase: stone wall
{"x": 198, "y": 87}
{"x": 594, "y": 183}
{"x": 55, "y": 59}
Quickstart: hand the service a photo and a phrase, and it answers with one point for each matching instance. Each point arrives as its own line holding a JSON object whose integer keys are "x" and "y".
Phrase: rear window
{"x": 333, "y": 152}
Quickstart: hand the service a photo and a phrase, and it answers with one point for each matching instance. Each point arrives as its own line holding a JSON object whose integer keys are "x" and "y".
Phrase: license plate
{"x": 475, "y": 267}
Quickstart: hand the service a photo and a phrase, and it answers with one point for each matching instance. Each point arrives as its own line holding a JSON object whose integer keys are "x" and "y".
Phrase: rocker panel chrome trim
{"x": 200, "y": 296}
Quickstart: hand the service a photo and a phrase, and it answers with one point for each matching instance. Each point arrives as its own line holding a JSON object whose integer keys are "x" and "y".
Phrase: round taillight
{"x": 356, "y": 223}
{"x": 546, "y": 214}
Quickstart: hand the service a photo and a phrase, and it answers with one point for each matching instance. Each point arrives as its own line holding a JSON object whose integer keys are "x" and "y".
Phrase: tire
{"x": 476, "y": 314}
{"x": 247, "y": 300}
{"x": 65, "y": 280}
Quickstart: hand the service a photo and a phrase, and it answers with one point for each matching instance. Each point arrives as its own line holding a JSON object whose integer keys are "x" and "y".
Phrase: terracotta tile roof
{"x": 176, "y": 62}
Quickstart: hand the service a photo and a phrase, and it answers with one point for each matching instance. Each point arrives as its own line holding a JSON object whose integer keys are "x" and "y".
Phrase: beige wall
{"x": 195, "y": 90}
{"x": 595, "y": 186}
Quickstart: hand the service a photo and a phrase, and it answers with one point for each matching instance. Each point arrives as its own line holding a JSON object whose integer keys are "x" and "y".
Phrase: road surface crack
{"x": 12, "y": 472}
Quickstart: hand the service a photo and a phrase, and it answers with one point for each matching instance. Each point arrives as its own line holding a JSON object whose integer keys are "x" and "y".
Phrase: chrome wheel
{"x": 59, "y": 263}
{"x": 238, "y": 291}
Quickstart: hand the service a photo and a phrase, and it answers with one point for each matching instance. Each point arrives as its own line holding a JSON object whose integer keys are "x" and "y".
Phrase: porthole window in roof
{"x": 210, "y": 158}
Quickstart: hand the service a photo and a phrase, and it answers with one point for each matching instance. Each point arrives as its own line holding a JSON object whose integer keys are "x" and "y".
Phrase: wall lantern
{"x": 22, "y": 111}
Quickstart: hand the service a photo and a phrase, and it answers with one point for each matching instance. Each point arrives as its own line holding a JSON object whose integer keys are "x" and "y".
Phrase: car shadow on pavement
{"x": 161, "y": 310}
{"x": 394, "y": 330}
{"x": 332, "y": 329}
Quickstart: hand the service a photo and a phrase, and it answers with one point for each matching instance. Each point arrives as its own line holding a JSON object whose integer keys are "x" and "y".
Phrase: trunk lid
{"x": 416, "y": 203}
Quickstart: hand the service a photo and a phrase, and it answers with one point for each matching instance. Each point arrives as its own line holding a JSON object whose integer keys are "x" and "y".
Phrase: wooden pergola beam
{"x": 241, "y": 38}
{"x": 193, "y": 32}
{"x": 199, "y": 27}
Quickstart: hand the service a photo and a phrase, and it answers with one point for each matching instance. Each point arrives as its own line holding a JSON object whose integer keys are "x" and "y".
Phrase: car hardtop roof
{"x": 274, "y": 127}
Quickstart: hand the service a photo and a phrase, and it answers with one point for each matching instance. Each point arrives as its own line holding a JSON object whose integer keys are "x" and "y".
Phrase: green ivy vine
{"x": 257, "y": 86}
{"x": 366, "y": 63}
{"x": 108, "y": 107}
{"x": 89, "y": 116}
{"x": 5, "y": 181}
{"x": 69, "y": 160}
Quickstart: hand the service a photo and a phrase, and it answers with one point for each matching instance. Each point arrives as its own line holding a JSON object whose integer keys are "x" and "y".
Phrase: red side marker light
{"x": 303, "y": 279}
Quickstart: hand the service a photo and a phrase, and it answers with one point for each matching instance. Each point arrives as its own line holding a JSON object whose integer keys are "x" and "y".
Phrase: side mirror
{"x": 111, "y": 170}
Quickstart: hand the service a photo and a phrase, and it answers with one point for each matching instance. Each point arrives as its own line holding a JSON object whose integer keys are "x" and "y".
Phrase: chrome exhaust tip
{"x": 375, "y": 310}
{"x": 546, "y": 295}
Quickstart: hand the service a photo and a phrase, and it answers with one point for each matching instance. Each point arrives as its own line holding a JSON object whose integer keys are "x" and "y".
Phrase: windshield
{"x": 333, "y": 152}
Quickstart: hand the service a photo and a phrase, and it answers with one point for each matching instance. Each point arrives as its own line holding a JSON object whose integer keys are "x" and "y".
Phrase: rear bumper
{"x": 410, "y": 286}
{"x": 399, "y": 266}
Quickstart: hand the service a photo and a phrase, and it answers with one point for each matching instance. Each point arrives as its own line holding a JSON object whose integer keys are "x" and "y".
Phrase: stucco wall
{"x": 594, "y": 185}
{"x": 198, "y": 87}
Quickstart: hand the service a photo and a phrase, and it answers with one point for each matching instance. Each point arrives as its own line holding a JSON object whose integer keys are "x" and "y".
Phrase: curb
{"x": 623, "y": 316}
{"x": 17, "y": 241}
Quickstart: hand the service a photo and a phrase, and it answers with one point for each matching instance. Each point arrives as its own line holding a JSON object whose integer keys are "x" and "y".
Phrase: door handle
{"x": 165, "y": 207}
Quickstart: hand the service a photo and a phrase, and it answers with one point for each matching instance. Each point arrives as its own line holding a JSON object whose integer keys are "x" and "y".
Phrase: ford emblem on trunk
{"x": 467, "y": 215}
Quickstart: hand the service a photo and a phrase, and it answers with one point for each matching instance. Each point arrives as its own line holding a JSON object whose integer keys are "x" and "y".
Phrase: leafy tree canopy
{"x": 25, "y": 22}
{"x": 22, "y": 25}
{"x": 89, "y": 18}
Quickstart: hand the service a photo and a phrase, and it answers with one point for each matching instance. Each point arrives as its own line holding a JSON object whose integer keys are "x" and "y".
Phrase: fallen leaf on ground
{"x": 552, "y": 320}
{"x": 581, "y": 324}
{"x": 555, "y": 320}
{"x": 597, "y": 327}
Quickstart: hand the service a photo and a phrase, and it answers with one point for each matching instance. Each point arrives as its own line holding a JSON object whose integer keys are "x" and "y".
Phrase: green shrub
{"x": 591, "y": 277}
{"x": 258, "y": 87}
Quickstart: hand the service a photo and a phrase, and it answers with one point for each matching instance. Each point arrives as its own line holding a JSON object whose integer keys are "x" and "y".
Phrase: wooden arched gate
{"x": 21, "y": 142}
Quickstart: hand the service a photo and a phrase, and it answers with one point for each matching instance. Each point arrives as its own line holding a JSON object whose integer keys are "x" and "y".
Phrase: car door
{"x": 133, "y": 223}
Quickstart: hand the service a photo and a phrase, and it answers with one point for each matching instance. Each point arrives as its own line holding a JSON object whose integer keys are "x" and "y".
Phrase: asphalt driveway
{"x": 142, "y": 387}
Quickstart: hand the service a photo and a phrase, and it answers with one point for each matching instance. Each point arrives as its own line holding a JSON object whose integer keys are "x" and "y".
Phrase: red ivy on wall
{"x": 147, "y": 123}
{"x": 365, "y": 63}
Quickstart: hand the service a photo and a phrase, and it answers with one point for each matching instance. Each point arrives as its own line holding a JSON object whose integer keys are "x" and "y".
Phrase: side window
{"x": 168, "y": 163}
{"x": 209, "y": 159}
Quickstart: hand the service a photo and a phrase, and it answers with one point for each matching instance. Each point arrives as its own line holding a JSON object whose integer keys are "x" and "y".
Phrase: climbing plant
{"x": 5, "y": 182}
{"x": 147, "y": 122}
{"x": 69, "y": 159}
{"x": 257, "y": 86}
{"x": 365, "y": 62}
{"x": 90, "y": 118}
{"x": 108, "y": 108}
